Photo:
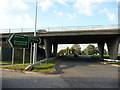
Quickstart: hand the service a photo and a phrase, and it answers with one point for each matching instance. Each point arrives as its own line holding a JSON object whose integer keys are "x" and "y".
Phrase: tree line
{"x": 76, "y": 49}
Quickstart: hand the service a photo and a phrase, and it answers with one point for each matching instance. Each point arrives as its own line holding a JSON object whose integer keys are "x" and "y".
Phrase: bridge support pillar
{"x": 55, "y": 46}
{"x": 113, "y": 45}
{"x": 101, "y": 50}
{"x": 48, "y": 48}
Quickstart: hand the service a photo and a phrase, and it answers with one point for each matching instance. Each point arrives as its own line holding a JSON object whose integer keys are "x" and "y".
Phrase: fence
{"x": 65, "y": 28}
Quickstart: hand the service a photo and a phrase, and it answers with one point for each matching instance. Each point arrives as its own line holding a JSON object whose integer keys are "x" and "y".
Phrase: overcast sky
{"x": 51, "y": 13}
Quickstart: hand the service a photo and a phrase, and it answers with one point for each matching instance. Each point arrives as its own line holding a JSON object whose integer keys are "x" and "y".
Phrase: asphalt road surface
{"x": 72, "y": 72}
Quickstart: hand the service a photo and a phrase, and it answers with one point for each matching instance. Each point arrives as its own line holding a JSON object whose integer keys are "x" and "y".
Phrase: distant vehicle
{"x": 66, "y": 54}
{"x": 41, "y": 30}
{"x": 75, "y": 55}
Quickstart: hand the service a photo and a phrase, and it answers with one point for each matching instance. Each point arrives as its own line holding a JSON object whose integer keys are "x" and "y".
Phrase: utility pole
{"x": 35, "y": 44}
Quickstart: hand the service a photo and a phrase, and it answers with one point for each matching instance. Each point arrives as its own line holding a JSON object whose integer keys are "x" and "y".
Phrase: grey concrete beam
{"x": 101, "y": 49}
{"x": 55, "y": 47}
{"x": 48, "y": 47}
{"x": 113, "y": 45}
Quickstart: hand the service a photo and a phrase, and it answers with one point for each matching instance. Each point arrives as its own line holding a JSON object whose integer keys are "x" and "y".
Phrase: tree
{"x": 90, "y": 50}
{"x": 72, "y": 50}
{"x": 67, "y": 50}
{"x": 75, "y": 49}
{"x": 83, "y": 53}
{"x": 76, "y": 46}
{"x": 105, "y": 52}
{"x": 63, "y": 51}
{"x": 96, "y": 51}
{"x": 78, "y": 52}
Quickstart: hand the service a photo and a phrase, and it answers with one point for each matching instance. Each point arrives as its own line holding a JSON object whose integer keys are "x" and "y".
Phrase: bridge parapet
{"x": 64, "y": 28}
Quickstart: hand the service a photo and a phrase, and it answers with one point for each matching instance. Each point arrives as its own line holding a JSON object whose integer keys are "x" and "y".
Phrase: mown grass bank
{"x": 15, "y": 67}
{"x": 114, "y": 63}
{"x": 96, "y": 57}
{"x": 5, "y": 62}
{"x": 46, "y": 67}
{"x": 105, "y": 56}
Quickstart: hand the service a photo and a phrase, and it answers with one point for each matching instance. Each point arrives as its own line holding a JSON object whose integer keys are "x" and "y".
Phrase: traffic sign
{"x": 18, "y": 41}
{"x": 34, "y": 39}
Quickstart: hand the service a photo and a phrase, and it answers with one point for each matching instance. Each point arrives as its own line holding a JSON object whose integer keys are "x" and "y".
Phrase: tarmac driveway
{"x": 83, "y": 72}
{"x": 73, "y": 72}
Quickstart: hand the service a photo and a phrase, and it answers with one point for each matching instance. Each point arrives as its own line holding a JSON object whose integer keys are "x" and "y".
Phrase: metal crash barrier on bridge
{"x": 63, "y": 28}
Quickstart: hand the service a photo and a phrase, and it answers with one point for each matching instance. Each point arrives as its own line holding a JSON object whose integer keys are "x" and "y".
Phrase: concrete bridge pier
{"x": 113, "y": 45}
{"x": 48, "y": 48}
{"x": 101, "y": 49}
{"x": 55, "y": 47}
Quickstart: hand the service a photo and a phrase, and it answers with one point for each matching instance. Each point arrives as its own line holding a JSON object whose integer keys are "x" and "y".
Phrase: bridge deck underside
{"x": 81, "y": 39}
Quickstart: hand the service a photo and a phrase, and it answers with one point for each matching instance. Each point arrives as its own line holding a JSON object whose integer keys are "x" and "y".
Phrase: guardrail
{"x": 65, "y": 28}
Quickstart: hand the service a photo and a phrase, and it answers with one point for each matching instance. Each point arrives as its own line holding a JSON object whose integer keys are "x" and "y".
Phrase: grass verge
{"x": 15, "y": 62}
{"x": 15, "y": 67}
{"x": 5, "y": 62}
{"x": 105, "y": 56}
{"x": 115, "y": 63}
{"x": 46, "y": 67}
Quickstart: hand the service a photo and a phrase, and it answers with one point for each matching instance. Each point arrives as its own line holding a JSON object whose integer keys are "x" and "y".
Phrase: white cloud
{"x": 54, "y": 11}
{"x": 63, "y": 46}
{"x": 59, "y": 13}
{"x": 97, "y": 1}
{"x": 18, "y": 19}
{"x": 4, "y": 3}
{"x": 45, "y": 5}
{"x": 63, "y": 2}
{"x": 19, "y": 4}
{"x": 110, "y": 15}
{"x": 86, "y": 7}
{"x": 3, "y": 10}
{"x": 4, "y": 16}
{"x": 72, "y": 16}
{"x": 9, "y": 9}
{"x": 28, "y": 19}
{"x": 118, "y": 2}
{"x": 12, "y": 14}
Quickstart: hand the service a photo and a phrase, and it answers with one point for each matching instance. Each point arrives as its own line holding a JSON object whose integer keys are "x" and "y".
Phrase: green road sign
{"x": 18, "y": 41}
{"x": 34, "y": 39}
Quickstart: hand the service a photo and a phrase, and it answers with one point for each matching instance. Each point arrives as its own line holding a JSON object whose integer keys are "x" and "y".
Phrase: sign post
{"x": 35, "y": 53}
{"x": 31, "y": 54}
{"x": 23, "y": 56}
{"x": 13, "y": 52}
{"x": 35, "y": 40}
{"x": 18, "y": 41}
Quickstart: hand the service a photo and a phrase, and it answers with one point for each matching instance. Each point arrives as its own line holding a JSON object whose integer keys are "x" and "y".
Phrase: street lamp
{"x": 35, "y": 44}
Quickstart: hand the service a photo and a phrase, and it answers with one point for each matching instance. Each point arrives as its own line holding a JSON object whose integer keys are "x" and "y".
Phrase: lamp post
{"x": 35, "y": 44}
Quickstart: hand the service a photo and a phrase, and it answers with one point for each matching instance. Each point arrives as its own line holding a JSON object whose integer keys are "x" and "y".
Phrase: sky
{"x": 53, "y": 13}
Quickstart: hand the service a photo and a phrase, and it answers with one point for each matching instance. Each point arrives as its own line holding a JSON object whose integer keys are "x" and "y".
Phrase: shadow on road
{"x": 71, "y": 61}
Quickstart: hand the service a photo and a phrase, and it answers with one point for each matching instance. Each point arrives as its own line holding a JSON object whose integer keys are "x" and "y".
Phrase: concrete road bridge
{"x": 77, "y": 35}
